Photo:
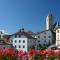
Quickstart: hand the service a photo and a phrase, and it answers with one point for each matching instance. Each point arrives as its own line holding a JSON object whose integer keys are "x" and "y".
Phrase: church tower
{"x": 49, "y": 21}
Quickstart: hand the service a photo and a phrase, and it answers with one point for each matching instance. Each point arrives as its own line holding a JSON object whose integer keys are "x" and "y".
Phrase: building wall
{"x": 5, "y": 46}
{"x": 58, "y": 37}
{"x": 20, "y": 43}
{"x": 45, "y": 37}
{"x": 31, "y": 43}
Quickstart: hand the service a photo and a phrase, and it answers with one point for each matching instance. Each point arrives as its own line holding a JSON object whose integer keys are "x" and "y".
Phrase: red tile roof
{"x": 27, "y": 34}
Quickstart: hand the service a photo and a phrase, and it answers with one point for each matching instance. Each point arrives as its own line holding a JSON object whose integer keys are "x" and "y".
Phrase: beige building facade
{"x": 58, "y": 37}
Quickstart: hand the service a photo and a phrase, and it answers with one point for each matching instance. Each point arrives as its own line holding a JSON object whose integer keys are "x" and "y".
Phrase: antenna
{"x": 22, "y": 25}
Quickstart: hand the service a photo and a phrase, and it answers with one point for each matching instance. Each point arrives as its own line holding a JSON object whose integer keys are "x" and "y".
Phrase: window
{"x": 38, "y": 36}
{"x": 58, "y": 38}
{"x": 15, "y": 41}
{"x": 15, "y": 46}
{"x": 44, "y": 40}
{"x": 58, "y": 43}
{"x": 23, "y": 41}
{"x": 23, "y": 46}
{"x": 19, "y": 41}
{"x": 19, "y": 35}
{"x": 0, "y": 36}
{"x": 19, "y": 46}
{"x": 58, "y": 35}
{"x": 57, "y": 31}
{"x": 49, "y": 36}
{"x": 44, "y": 36}
{"x": 15, "y": 36}
{"x": 38, "y": 40}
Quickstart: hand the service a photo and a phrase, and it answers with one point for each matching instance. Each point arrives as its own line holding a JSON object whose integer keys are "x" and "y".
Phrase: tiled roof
{"x": 25, "y": 34}
{"x": 56, "y": 25}
{"x": 45, "y": 31}
{"x": 30, "y": 32}
{"x": 6, "y": 36}
{"x": 6, "y": 39}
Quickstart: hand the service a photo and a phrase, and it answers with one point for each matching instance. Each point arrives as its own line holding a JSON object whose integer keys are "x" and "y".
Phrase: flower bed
{"x": 7, "y": 54}
{"x": 11, "y": 54}
{"x": 40, "y": 55}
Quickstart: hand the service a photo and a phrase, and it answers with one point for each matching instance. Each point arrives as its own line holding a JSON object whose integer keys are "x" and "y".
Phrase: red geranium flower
{"x": 32, "y": 52}
{"x": 20, "y": 53}
{"x": 11, "y": 52}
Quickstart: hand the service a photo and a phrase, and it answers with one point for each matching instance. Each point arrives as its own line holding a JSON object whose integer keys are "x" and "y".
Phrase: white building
{"x": 58, "y": 37}
{"x": 21, "y": 40}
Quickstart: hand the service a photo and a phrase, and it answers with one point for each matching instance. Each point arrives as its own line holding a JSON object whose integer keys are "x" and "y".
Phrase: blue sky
{"x": 29, "y": 13}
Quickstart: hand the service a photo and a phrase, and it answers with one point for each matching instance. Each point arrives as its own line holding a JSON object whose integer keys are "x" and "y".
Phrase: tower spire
{"x": 50, "y": 13}
{"x": 49, "y": 21}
